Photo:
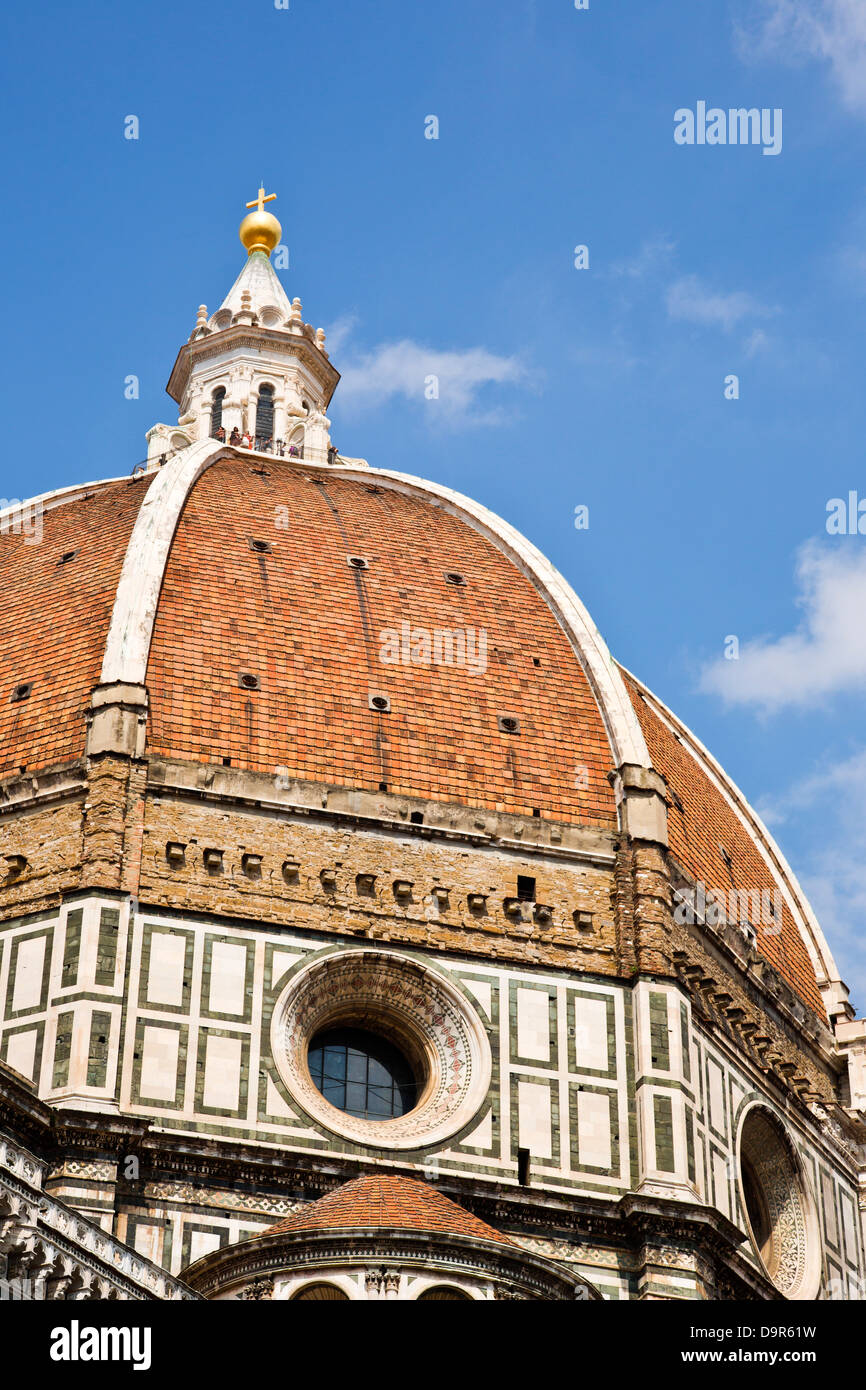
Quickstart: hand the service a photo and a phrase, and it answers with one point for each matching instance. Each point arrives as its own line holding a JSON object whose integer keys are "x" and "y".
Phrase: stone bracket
{"x": 641, "y": 797}
{"x": 117, "y": 720}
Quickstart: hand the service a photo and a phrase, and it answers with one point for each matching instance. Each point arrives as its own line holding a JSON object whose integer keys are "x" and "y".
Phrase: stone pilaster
{"x": 643, "y": 886}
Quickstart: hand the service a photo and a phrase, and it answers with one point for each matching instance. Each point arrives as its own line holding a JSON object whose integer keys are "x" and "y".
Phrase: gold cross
{"x": 262, "y": 199}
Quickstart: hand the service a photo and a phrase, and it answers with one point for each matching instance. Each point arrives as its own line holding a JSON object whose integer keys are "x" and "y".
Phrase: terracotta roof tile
{"x": 379, "y": 1200}
{"x": 697, "y": 832}
{"x": 55, "y": 620}
{"x": 311, "y": 628}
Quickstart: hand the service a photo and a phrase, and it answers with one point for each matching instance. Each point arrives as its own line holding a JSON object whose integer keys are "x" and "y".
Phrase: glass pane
{"x": 378, "y": 1075}
{"x": 335, "y": 1063}
{"x": 356, "y": 1098}
{"x": 335, "y": 1092}
{"x": 362, "y": 1074}
{"x": 356, "y": 1065}
{"x": 315, "y": 1060}
{"x": 380, "y": 1104}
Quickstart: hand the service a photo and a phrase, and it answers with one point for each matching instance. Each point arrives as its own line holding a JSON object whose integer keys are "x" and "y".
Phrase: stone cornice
{"x": 380, "y": 812}
{"x": 187, "y": 1162}
{"x": 290, "y": 1252}
{"x": 29, "y": 791}
{"x": 702, "y": 947}
{"x": 281, "y": 342}
{"x": 21, "y": 1110}
{"x": 827, "y": 977}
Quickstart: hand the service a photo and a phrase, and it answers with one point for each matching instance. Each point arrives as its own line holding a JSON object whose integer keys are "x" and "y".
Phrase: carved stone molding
{"x": 415, "y": 1006}
{"x": 59, "y": 1253}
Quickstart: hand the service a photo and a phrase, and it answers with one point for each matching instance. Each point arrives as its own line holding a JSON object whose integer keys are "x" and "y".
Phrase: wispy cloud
{"x": 825, "y": 656}
{"x": 845, "y": 779}
{"x": 339, "y": 332}
{"x": 654, "y": 253}
{"x": 693, "y": 301}
{"x": 454, "y": 384}
{"x": 686, "y": 297}
{"x": 830, "y": 31}
{"x": 826, "y": 812}
{"x": 756, "y": 342}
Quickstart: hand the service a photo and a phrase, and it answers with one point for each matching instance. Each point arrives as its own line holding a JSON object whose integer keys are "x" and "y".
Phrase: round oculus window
{"x": 381, "y": 1049}
{"x": 362, "y": 1074}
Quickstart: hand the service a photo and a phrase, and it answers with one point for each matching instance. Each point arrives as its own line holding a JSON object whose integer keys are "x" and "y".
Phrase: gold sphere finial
{"x": 260, "y": 230}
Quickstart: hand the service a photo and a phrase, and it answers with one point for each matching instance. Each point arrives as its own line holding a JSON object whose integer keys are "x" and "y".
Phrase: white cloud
{"x": 825, "y": 656}
{"x": 693, "y": 301}
{"x": 339, "y": 333}
{"x": 405, "y": 368}
{"x": 756, "y": 342}
{"x": 688, "y": 298}
{"x": 826, "y": 812}
{"x": 654, "y": 252}
{"x": 831, "y": 31}
{"x": 846, "y": 779}
{"x": 834, "y": 884}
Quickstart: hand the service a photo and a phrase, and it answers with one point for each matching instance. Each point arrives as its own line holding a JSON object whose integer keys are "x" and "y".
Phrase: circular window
{"x": 779, "y": 1211}
{"x": 380, "y": 1049}
{"x": 361, "y": 1073}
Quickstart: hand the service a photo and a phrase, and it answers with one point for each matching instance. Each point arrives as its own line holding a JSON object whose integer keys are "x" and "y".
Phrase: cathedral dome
{"x": 351, "y": 628}
{"x": 333, "y": 838}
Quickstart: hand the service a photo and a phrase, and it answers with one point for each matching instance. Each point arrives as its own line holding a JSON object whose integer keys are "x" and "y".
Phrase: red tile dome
{"x": 308, "y": 626}
{"x": 256, "y": 601}
{"x": 383, "y": 1201}
{"x": 56, "y": 601}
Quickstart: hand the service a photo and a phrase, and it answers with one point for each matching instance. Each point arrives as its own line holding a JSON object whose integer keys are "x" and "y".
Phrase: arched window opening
{"x": 216, "y": 412}
{"x": 321, "y": 1293}
{"x": 443, "y": 1291}
{"x": 265, "y": 417}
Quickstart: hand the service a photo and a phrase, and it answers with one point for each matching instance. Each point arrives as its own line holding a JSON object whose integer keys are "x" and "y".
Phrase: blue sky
{"x": 558, "y": 387}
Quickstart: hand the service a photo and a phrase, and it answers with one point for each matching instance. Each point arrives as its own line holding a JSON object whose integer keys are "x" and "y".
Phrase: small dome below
{"x": 395, "y": 1203}
{"x": 383, "y": 1236}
